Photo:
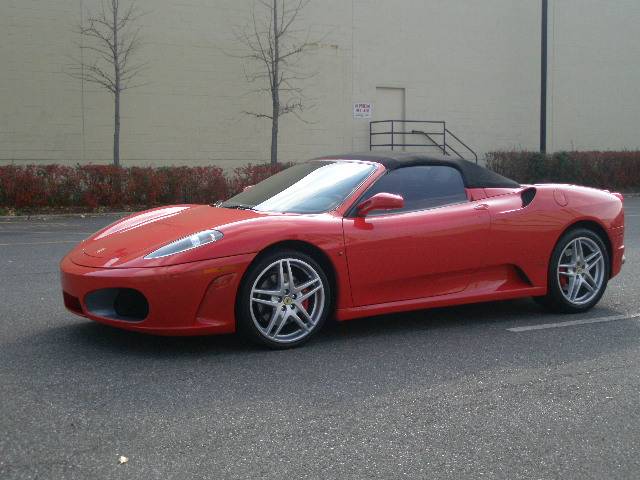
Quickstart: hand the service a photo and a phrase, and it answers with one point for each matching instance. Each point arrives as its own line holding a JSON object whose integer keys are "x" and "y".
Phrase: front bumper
{"x": 617, "y": 247}
{"x": 189, "y": 299}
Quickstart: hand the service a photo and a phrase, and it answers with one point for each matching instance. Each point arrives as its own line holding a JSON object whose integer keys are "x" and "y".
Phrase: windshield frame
{"x": 355, "y": 191}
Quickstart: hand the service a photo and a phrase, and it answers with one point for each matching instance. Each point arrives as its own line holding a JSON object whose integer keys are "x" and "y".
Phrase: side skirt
{"x": 459, "y": 298}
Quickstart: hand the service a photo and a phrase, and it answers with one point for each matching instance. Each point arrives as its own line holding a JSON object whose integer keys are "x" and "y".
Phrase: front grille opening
{"x": 71, "y": 302}
{"x": 124, "y": 304}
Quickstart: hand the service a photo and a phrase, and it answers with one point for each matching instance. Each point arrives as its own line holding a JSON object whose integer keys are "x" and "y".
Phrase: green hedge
{"x": 608, "y": 170}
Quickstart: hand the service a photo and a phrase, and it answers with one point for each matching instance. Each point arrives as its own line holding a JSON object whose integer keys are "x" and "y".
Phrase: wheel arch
{"x": 307, "y": 248}
{"x": 597, "y": 228}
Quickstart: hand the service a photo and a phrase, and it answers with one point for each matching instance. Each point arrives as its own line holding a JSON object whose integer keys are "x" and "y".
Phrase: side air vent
{"x": 527, "y": 196}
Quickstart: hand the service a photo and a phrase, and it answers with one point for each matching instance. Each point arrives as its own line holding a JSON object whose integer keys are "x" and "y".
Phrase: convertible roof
{"x": 474, "y": 176}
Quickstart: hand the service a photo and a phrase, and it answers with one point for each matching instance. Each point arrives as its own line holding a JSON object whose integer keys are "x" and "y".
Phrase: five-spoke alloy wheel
{"x": 581, "y": 270}
{"x": 285, "y": 299}
{"x": 578, "y": 272}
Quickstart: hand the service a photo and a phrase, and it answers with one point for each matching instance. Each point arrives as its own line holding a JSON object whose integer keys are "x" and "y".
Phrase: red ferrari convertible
{"x": 347, "y": 236}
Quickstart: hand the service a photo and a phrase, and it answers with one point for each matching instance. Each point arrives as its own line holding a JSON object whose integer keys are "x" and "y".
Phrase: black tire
{"x": 248, "y": 314}
{"x": 555, "y": 299}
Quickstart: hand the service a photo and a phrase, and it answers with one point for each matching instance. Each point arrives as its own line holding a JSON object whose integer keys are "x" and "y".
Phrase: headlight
{"x": 187, "y": 243}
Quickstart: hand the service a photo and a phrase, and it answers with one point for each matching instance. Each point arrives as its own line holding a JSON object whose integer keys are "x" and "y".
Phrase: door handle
{"x": 482, "y": 206}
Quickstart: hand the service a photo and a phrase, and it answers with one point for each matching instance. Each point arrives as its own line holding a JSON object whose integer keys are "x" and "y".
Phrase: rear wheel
{"x": 578, "y": 272}
{"x": 285, "y": 299}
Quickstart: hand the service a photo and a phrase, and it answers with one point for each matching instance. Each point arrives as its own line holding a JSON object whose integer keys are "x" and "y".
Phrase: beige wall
{"x": 594, "y": 77}
{"x": 472, "y": 63}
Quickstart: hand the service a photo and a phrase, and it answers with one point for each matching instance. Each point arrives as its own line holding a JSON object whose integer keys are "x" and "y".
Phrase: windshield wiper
{"x": 237, "y": 206}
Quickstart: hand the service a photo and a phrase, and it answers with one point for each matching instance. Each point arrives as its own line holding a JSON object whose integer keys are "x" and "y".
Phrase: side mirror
{"x": 380, "y": 201}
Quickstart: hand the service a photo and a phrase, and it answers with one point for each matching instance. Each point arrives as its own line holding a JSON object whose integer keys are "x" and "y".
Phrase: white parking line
{"x": 34, "y": 224}
{"x": 571, "y": 323}
{"x": 38, "y": 232}
{"x": 36, "y": 243}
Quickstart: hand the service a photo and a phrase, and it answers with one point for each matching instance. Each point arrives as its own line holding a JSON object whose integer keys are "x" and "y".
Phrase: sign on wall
{"x": 362, "y": 110}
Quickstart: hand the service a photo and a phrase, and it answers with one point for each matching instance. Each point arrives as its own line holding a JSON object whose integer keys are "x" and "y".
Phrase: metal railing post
{"x": 392, "y": 136}
{"x": 444, "y": 137}
{"x": 370, "y": 136}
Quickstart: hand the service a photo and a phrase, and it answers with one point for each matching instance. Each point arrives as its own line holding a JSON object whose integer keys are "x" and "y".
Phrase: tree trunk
{"x": 116, "y": 130}
{"x": 275, "y": 87}
{"x": 116, "y": 93}
{"x": 274, "y": 135}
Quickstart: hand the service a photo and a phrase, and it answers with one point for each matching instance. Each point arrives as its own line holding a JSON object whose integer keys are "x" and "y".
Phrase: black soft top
{"x": 474, "y": 176}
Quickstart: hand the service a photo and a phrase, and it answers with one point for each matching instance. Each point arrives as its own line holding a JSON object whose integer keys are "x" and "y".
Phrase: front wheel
{"x": 578, "y": 272}
{"x": 285, "y": 298}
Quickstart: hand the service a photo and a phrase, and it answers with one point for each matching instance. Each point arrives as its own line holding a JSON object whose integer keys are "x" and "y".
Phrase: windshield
{"x": 312, "y": 187}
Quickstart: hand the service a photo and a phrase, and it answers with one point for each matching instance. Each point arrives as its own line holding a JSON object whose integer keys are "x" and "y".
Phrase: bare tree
{"x": 109, "y": 42}
{"x": 276, "y": 47}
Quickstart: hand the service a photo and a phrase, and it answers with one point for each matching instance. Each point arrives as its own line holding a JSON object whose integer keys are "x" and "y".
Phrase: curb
{"x": 46, "y": 216}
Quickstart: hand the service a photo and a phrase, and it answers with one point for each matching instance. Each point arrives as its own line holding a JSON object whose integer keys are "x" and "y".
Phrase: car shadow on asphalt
{"x": 358, "y": 357}
{"x": 451, "y": 322}
{"x": 98, "y": 335}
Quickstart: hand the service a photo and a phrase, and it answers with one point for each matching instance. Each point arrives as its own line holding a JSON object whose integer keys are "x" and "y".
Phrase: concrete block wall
{"x": 472, "y": 63}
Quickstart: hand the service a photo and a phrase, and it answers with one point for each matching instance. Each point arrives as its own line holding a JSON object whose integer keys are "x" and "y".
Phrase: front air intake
{"x": 72, "y": 303}
{"x": 124, "y": 304}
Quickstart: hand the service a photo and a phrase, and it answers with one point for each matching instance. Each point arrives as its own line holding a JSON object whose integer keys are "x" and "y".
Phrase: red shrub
{"x": 101, "y": 185}
{"x": 37, "y": 187}
{"x": 608, "y": 170}
{"x": 252, "y": 174}
{"x": 22, "y": 186}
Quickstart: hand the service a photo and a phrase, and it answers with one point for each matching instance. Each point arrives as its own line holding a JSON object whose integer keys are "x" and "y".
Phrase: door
{"x": 390, "y": 105}
{"x": 428, "y": 248}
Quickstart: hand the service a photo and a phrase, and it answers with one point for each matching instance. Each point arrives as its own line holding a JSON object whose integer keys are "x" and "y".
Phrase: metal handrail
{"x": 475, "y": 155}
{"x": 445, "y": 147}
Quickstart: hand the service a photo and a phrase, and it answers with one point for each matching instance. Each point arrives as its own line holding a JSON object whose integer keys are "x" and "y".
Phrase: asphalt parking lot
{"x": 465, "y": 392}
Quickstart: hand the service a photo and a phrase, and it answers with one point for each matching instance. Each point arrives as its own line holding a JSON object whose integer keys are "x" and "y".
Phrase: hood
{"x": 127, "y": 241}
